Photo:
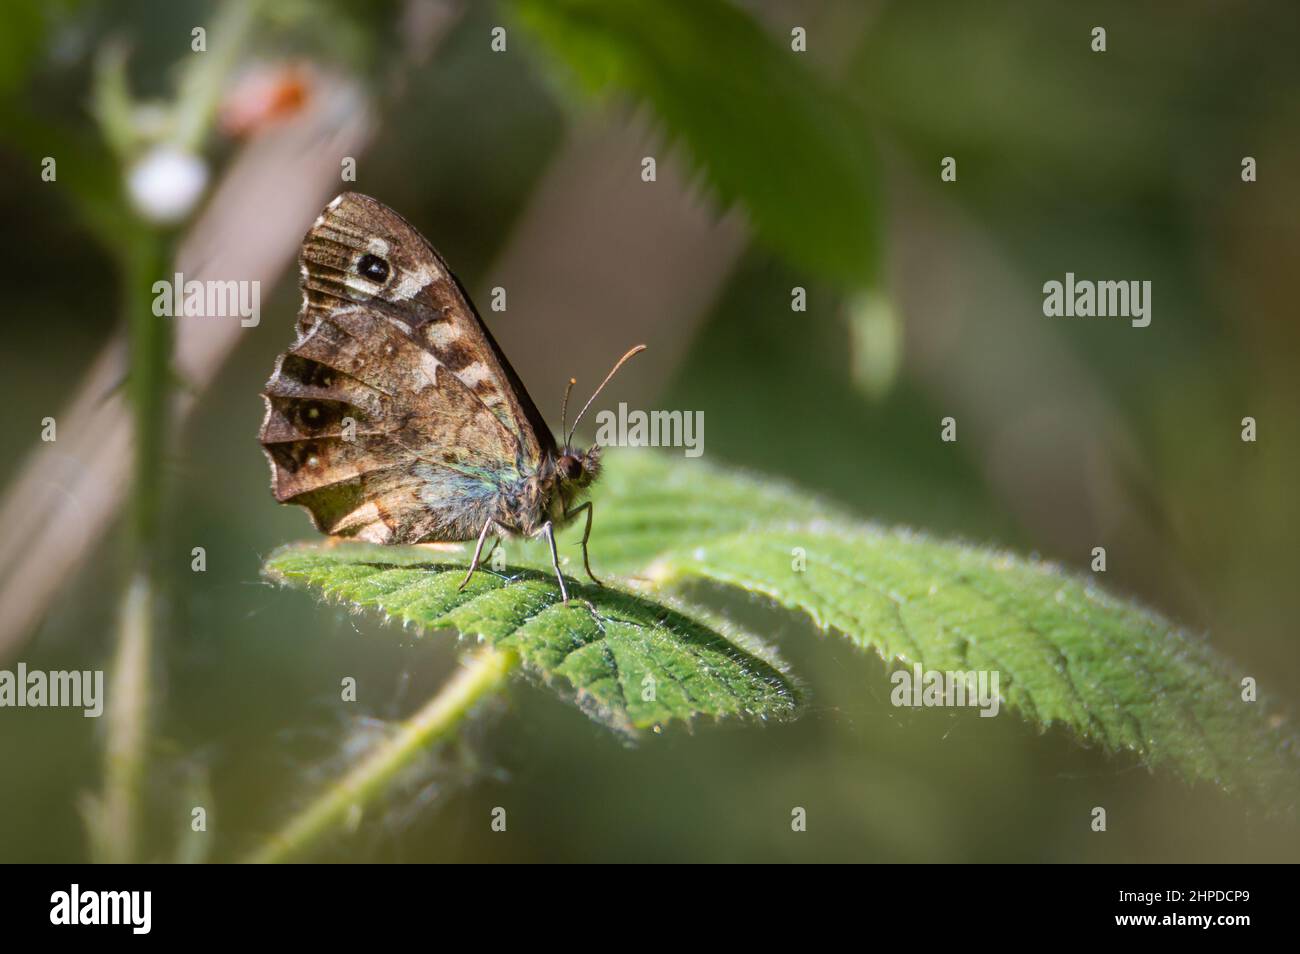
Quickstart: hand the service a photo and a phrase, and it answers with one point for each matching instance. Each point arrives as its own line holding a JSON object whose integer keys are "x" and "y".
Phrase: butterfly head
{"x": 577, "y": 469}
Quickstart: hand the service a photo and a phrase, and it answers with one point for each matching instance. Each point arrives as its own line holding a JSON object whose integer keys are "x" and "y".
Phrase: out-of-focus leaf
{"x": 21, "y": 39}
{"x": 764, "y": 130}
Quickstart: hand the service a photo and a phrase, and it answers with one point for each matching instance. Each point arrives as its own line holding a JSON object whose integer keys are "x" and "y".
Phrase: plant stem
{"x": 116, "y": 826}
{"x": 206, "y": 74}
{"x": 149, "y": 390}
{"x": 115, "y": 820}
{"x": 483, "y": 673}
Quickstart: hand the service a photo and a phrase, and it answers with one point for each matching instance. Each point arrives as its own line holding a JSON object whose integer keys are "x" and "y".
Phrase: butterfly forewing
{"x": 394, "y": 416}
{"x": 425, "y": 295}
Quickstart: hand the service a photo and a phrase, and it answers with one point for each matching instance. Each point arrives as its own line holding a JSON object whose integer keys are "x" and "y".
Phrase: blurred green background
{"x": 776, "y": 169}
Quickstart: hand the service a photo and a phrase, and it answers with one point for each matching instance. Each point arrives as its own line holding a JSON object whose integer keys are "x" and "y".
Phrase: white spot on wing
{"x": 429, "y": 368}
{"x": 472, "y": 374}
{"x": 440, "y": 334}
{"x": 366, "y": 513}
{"x": 361, "y": 286}
{"x": 366, "y": 521}
{"x": 375, "y": 532}
{"x": 412, "y": 280}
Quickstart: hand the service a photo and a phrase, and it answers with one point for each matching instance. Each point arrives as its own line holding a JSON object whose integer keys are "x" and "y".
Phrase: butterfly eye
{"x": 569, "y": 467}
{"x": 372, "y": 267}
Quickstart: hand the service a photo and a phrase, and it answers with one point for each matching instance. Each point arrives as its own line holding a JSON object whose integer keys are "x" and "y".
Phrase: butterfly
{"x": 396, "y": 418}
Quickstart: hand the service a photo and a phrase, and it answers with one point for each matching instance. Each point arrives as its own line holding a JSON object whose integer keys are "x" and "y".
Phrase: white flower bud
{"x": 165, "y": 183}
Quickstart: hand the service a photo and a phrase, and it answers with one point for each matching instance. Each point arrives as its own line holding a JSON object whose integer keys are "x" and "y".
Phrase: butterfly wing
{"x": 440, "y": 315}
{"x": 393, "y": 417}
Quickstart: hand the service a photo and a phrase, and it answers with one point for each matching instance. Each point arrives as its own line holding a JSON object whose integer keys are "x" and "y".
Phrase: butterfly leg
{"x": 586, "y": 534}
{"x": 548, "y": 531}
{"x": 473, "y": 564}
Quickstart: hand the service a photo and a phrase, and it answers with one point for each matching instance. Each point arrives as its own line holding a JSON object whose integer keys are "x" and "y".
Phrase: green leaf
{"x": 1068, "y": 653}
{"x": 764, "y": 130}
{"x": 605, "y": 648}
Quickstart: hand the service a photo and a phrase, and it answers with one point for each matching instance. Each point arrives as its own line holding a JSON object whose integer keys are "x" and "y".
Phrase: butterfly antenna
{"x": 564, "y": 407}
{"x": 613, "y": 371}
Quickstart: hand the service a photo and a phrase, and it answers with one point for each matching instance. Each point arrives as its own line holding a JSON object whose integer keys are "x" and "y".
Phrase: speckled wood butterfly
{"x": 395, "y": 418}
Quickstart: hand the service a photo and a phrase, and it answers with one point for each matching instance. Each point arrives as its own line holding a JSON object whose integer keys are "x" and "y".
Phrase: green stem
{"x": 483, "y": 673}
{"x": 206, "y": 73}
{"x": 149, "y": 391}
{"x": 115, "y": 830}
{"x": 115, "y": 822}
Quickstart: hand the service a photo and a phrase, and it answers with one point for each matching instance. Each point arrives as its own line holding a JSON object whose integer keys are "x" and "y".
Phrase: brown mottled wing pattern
{"x": 394, "y": 416}
{"x": 442, "y": 318}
